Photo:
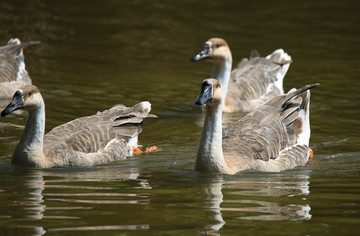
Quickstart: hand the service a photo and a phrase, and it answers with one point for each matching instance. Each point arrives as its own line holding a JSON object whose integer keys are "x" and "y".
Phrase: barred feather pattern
{"x": 266, "y": 139}
{"x": 13, "y": 74}
{"x": 97, "y": 139}
{"x": 256, "y": 80}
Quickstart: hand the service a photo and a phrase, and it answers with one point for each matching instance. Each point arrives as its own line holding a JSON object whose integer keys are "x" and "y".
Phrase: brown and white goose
{"x": 253, "y": 82}
{"x": 13, "y": 74}
{"x": 98, "y": 139}
{"x": 273, "y": 137}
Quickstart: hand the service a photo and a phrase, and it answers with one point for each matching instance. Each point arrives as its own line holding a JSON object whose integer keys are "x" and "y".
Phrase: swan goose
{"x": 273, "y": 137}
{"x": 13, "y": 74}
{"x": 253, "y": 82}
{"x": 97, "y": 139}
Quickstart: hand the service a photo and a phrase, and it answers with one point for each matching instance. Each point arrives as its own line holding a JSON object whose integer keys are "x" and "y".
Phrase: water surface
{"x": 95, "y": 54}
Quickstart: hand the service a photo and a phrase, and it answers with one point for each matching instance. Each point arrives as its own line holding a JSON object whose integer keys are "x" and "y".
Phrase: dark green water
{"x": 95, "y": 54}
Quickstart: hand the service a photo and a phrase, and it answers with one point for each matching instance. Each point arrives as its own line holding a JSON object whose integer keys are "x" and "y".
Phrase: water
{"x": 95, "y": 54}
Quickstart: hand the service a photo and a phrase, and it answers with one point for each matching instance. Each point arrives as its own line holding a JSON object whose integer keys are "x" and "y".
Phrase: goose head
{"x": 27, "y": 98}
{"x": 210, "y": 93}
{"x": 215, "y": 50}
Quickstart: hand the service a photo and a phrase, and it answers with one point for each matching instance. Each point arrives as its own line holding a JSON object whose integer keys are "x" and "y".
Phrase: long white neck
{"x": 222, "y": 72}
{"x": 29, "y": 151}
{"x": 210, "y": 156}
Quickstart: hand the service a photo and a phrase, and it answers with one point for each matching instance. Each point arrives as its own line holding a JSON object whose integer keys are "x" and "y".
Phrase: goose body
{"x": 98, "y": 139}
{"x": 253, "y": 82}
{"x": 13, "y": 74}
{"x": 273, "y": 137}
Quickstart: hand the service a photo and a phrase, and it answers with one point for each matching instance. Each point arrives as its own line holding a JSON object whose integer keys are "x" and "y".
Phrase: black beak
{"x": 202, "y": 55}
{"x": 16, "y": 103}
{"x": 206, "y": 93}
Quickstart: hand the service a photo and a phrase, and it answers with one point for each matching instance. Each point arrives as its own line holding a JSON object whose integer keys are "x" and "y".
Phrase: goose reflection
{"x": 253, "y": 198}
{"x": 282, "y": 186}
{"x": 26, "y": 203}
{"x": 29, "y": 201}
{"x": 211, "y": 187}
{"x": 79, "y": 190}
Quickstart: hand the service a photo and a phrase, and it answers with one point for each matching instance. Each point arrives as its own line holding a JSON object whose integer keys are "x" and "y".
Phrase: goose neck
{"x": 29, "y": 151}
{"x": 222, "y": 72}
{"x": 210, "y": 156}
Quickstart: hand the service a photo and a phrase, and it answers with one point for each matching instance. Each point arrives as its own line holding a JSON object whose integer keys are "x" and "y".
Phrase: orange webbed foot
{"x": 152, "y": 149}
{"x": 311, "y": 153}
{"x": 136, "y": 150}
{"x": 147, "y": 150}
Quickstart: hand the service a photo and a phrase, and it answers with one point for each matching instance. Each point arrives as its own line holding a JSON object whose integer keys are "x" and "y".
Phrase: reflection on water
{"x": 102, "y": 228}
{"x": 211, "y": 188}
{"x": 73, "y": 196}
{"x": 97, "y": 54}
{"x": 27, "y": 204}
{"x": 239, "y": 190}
{"x": 274, "y": 187}
{"x": 30, "y": 202}
{"x": 43, "y": 194}
{"x": 33, "y": 202}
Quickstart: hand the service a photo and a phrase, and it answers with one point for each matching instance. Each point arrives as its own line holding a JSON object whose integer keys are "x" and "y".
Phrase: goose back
{"x": 256, "y": 80}
{"x": 96, "y": 139}
{"x": 268, "y": 139}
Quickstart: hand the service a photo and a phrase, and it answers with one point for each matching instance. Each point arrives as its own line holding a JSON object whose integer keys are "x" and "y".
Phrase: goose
{"x": 252, "y": 83}
{"x": 91, "y": 140}
{"x": 273, "y": 137}
{"x": 13, "y": 74}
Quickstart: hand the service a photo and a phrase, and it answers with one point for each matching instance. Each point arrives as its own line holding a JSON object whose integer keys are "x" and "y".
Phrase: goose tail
{"x": 296, "y": 113}
{"x": 15, "y": 47}
{"x": 283, "y": 59}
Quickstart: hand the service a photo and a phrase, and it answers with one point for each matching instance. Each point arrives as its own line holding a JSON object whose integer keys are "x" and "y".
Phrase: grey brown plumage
{"x": 269, "y": 133}
{"x": 273, "y": 137}
{"x": 253, "y": 82}
{"x": 82, "y": 142}
{"x": 256, "y": 80}
{"x": 97, "y": 139}
{"x": 13, "y": 74}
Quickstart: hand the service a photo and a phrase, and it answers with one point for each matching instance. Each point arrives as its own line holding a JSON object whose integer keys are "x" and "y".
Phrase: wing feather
{"x": 92, "y": 134}
{"x": 256, "y": 80}
{"x": 269, "y": 133}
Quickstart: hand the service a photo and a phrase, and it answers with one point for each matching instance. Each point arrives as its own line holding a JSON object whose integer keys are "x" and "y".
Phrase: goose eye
{"x": 218, "y": 45}
{"x": 30, "y": 93}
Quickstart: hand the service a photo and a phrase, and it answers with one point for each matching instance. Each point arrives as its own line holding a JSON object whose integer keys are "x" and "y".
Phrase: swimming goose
{"x": 253, "y": 82}
{"x": 98, "y": 139}
{"x": 273, "y": 137}
{"x": 13, "y": 74}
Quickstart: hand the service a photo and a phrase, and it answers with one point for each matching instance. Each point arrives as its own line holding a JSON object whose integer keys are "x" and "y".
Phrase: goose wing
{"x": 260, "y": 135}
{"x": 272, "y": 131}
{"x": 10, "y": 59}
{"x": 92, "y": 134}
{"x": 13, "y": 74}
{"x": 257, "y": 79}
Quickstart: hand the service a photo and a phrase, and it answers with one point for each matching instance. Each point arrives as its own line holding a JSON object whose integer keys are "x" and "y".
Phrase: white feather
{"x": 304, "y": 137}
{"x": 282, "y": 72}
